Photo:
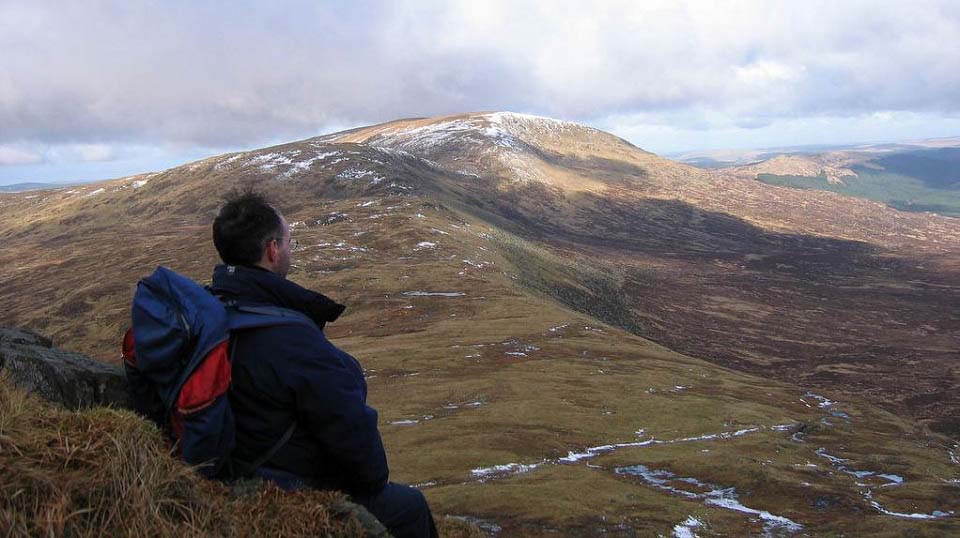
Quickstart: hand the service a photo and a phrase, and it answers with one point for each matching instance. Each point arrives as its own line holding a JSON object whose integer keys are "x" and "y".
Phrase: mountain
{"x": 911, "y": 176}
{"x": 565, "y": 333}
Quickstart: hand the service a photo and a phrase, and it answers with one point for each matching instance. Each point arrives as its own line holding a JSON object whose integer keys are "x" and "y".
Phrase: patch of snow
{"x": 366, "y": 204}
{"x": 936, "y": 514}
{"x": 824, "y": 402}
{"x": 268, "y": 161}
{"x": 892, "y": 480}
{"x": 479, "y": 265}
{"x": 297, "y": 167}
{"x": 592, "y": 452}
{"x": 895, "y": 480}
{"x": 515, "y": 354}
{"x": 332, "y": 218}
{"x": 422, "y": 245}
{"x": 520, "y": 345}
{"x": 404, "y": 422}
{"x": 509, "y": 468}
{"x": 355, "y": 173}
{"x": 433, "y": 294}
{"x": 720, "y": 497}
{"x": 139, "y": 183}
{"x": 229, "y": 160}
{"x": 822, "y": 452}
{"x": 436, "y": 231}
{"x": 426, "y": 137}
{"x": 774, "y": 523}
{"x": 687, "y": 528}
{"x": 713, "y": 436}
{"x": 573, "y": 457}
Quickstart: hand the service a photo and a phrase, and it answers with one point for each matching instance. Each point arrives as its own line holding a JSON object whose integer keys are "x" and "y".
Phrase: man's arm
{"x": 331, "y": 405}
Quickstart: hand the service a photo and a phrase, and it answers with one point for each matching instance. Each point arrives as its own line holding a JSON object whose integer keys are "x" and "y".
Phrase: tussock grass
{"x": 108, "y": 472}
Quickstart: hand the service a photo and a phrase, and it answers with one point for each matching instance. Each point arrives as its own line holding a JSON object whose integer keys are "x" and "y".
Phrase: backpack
{"x": 177, "y": 357}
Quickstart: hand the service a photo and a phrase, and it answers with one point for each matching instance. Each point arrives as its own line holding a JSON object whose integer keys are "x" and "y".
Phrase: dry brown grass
{"x": 107, "y": 472}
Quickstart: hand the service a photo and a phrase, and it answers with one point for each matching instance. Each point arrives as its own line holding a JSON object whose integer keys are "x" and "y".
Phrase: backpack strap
{"x": 242, "y": 317}
{"x": 247, "y": 469}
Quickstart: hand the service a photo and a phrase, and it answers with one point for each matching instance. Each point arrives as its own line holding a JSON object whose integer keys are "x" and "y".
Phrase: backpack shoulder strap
{"x": 247, "y": 469}
{"x": 243, "y": 317}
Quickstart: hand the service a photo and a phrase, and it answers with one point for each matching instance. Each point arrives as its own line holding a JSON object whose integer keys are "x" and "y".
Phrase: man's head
{"x": 249, "y": 231}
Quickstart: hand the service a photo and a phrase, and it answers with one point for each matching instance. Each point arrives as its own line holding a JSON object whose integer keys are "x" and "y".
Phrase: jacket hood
{"x": 255, "y": 285}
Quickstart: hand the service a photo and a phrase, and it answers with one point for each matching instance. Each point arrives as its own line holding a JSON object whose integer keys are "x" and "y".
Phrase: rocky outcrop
{"x": 73, "y": 380}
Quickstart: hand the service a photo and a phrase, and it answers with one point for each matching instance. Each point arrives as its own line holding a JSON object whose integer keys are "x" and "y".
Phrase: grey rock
{"x": 73, "y": 380}
{"x": 373, "y": 527}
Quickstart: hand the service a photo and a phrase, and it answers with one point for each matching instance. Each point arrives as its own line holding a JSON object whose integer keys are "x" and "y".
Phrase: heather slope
{"x": 564, "y": 332}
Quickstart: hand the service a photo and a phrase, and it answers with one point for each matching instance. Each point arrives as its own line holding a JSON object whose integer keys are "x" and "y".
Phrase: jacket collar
{"x": 255, "y": 285}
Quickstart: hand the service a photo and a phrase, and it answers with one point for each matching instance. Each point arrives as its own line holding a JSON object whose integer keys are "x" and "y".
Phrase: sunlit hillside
{"x": 565, "y": 334}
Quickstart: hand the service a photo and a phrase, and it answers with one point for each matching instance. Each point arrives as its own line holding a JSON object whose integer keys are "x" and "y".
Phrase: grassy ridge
{"x": 906, "y": 193}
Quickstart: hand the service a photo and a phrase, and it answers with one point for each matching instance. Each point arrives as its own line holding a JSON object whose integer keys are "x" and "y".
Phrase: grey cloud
{"x": 236, "y": 73}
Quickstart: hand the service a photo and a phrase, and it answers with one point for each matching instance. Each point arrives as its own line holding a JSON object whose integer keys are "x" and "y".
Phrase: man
{"x": 287, "y": 375}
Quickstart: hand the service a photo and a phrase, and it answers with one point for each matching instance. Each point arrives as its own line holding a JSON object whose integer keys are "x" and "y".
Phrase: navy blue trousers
{"x": 403, "y": 510}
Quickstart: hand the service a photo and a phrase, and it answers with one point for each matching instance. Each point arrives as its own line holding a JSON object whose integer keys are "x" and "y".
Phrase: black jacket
{"x": 288, "y": 373}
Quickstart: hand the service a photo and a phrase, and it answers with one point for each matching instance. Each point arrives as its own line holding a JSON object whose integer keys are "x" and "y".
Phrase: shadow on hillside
{"x": 936, "y": 168}
{"x": 667, "y": 228}
{"x": 813, "y": 310}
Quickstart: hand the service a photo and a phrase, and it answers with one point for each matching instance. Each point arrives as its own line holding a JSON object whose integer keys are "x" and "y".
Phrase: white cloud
{"x": 13, "y": 155}
{"x": 93, "y": 152}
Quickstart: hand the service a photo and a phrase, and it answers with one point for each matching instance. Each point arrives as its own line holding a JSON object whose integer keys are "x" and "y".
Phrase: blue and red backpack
{"x": 177, "y": 357}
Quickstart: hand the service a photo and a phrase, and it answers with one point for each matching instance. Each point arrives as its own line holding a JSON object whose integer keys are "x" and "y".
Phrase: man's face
{"x": 283, "y": 260}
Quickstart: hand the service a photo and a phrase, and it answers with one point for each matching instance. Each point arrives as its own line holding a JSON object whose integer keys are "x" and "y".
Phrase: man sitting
{"x": 287, "y": 375}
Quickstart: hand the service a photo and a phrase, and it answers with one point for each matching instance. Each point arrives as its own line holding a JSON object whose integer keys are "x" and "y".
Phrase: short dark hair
{"x": 244, "y": 226}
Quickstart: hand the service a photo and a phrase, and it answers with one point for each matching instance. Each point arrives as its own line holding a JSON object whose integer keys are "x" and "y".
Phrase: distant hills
{"x": 32, "y": 186}
{"x": 566, "y": 334}
{"x": 910, "y": 176}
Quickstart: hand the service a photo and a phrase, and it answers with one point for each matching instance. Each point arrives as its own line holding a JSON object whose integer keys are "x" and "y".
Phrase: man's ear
{"x": 272, "y": 252}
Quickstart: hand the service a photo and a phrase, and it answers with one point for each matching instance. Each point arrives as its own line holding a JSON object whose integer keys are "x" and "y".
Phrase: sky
{"x": 100, "y": 89}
